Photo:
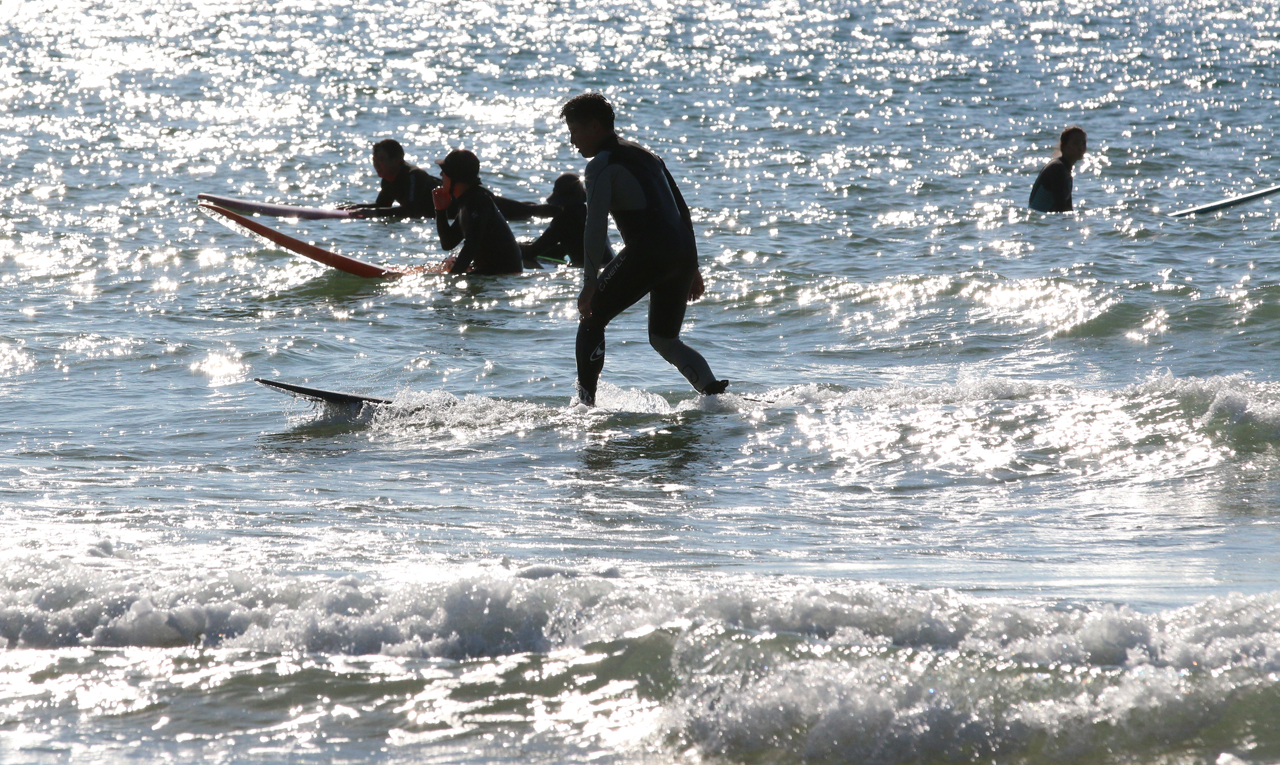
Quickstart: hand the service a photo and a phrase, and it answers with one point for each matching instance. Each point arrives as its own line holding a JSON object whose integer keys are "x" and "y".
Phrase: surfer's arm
{"x": 596, "y": 250}
{"x": 551, "y": 240}
{"x": 472, "y": 231}
{"x": 462, "y": 263}
{"x": 680, "y": 203}
{"x": 512, "y": 209}
{"x": 450, "y": 233}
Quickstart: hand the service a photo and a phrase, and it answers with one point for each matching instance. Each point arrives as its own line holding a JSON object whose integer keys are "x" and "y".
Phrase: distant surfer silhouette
{"x": 659, "y": 257}
{"x": 406, "y": 189}
{"x": 488, "y": 246}
{"x": 1052, "y": 189}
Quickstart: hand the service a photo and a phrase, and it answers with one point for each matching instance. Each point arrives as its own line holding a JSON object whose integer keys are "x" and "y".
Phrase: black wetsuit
{"x": 659, "y": 258}
{"x": 488, "y": 247}
{"x": 563, "y": 238}
{"x": 1052, "y": 190}
{"x": 411, "y": 189}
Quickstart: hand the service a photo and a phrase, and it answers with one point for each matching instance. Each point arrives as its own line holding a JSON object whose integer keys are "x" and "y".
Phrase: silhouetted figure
{"x": 488, "y": 246}
{"x": 659, "y": 257}
{"x": 1052, "y": 190}
{"x": 562, "y": 239}
{"x": 406, "y": 189}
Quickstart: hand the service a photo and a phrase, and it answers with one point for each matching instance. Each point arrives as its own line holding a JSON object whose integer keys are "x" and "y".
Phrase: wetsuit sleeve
{"x": 680, "y": 204}
{"x": 515, "y": 210}
{"x": 596, "y": 250}
{"x": 450, "y": 233}
{"x": 386, "y": 197}
{"x": 549, "y": 241}
{"x": 470, "y": 240}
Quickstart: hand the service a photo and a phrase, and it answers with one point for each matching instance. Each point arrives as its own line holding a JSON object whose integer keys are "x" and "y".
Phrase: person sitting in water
{"x": 488, "y": 246}
{"x": 1052, "y": 190}
{"x": 563, "y": 238}
{"x": 406, "y": 189}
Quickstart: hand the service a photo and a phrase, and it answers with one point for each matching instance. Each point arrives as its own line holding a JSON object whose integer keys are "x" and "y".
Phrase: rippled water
{"x": 989, "y": 485}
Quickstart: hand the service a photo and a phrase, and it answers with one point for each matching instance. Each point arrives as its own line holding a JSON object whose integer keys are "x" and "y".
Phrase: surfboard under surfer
{"x": 1052, "y": 189}
{"x": 488, "y": 246}
{"x": 406, "y": 189}
{"x": 659, "y": 256}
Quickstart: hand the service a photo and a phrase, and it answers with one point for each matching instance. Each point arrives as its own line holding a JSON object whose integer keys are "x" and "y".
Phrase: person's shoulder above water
{"x": 422, "y": 176}
{"x": 1052, "y": 189}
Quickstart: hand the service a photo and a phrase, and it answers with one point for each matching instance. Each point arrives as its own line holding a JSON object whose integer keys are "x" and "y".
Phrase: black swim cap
{"x": 461, "y": 166}
{"x": 568, "y": 189}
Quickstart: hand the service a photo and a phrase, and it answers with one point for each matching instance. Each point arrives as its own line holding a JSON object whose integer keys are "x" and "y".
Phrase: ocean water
{"x": 988, "y": 485}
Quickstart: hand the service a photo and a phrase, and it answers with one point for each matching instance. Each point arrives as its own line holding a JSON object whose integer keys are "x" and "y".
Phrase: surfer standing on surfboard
{"x": 406, "y": 189}
{"x": 659, "y": 256}
{"x": 1052, "y": 190}
{"x": 488, "y": 246}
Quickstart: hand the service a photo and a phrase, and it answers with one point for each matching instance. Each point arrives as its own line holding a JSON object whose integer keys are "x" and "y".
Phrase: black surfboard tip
{"x": 320, "y": 394}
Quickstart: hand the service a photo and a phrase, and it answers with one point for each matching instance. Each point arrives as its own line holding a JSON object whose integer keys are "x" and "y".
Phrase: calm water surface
{"x": 989, "y": 485}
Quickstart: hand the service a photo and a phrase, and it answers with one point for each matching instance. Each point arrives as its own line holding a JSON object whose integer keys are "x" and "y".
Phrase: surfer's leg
{"x": 621, "y": 284}
{"x": 667, "y": 303}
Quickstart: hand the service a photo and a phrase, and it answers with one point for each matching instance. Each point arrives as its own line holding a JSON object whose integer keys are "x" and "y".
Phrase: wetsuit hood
{"x": 568, "y": 190}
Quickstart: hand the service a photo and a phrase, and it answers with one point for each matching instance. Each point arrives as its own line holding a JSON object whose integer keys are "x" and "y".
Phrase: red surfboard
{"x": 319, "y": 254}
{"x": 249, "y": 207}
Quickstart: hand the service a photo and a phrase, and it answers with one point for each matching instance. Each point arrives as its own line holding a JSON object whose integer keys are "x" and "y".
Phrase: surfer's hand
{"x": 584, "y": 300}
{"x": 441, "y": 197}
{"x": 697, "y": 288}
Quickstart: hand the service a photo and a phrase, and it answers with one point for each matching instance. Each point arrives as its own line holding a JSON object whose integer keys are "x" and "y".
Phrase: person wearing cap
{"x": 659, "y": 257}
{"x": 488, "y": 246}
{"x": 406, "y": 189}
{"x": 562, "y": 239}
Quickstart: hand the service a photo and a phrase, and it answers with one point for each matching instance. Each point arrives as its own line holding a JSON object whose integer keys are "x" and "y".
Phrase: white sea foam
{"x": 828, "y": 672}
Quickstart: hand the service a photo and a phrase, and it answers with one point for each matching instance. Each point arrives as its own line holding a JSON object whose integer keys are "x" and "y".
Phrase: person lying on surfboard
{"x": 1052, "y": 189}
{"x": 563, "y": 238}
{"x": 659, "y": 255}
{"x": 488, "y": 246}
{"x": 406, "y": 189}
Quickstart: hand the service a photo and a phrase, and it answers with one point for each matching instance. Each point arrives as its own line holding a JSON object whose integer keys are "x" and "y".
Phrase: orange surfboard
{"x": 319, "y": 254}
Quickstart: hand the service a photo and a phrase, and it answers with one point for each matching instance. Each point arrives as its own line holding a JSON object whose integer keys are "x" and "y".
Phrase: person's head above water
{"x": 567, "y": 191}
{"x": 589, "y": 117}
{"x": 1072, "y": 144}
{"x": 460, "y": 167}
{"x": 388, "y": 158}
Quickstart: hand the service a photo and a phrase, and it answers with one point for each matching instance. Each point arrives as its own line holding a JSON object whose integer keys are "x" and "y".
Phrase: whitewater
{"x": 988, "y": 485}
